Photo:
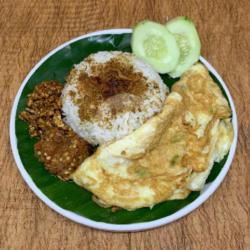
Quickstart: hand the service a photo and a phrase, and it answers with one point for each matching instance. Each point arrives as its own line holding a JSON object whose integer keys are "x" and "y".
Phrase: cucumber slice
{"x": 188, "y": 41}
{"x": 153, "y": 43}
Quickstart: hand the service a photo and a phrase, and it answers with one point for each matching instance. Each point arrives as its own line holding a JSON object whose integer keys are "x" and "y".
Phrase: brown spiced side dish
{"x": 43, "y": 109}
{"x": 62, "y": 151}
{"x": 59, "y": 148}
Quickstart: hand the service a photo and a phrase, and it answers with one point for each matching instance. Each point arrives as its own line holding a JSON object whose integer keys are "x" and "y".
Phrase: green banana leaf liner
{"x": 68, "y": 195}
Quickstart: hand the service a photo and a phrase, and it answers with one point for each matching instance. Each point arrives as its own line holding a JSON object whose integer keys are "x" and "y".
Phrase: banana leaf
{"x": 68, "y": 195}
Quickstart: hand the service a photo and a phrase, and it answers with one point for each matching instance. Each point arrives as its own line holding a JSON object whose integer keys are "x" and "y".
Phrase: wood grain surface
{"x": 30, "y": 29}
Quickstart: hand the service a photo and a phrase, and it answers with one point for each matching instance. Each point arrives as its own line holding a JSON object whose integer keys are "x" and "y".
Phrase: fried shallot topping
{"x": 114, "y": 78}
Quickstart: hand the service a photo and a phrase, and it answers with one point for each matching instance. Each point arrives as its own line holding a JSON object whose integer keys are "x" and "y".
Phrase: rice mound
{"x": 110, "y": 94}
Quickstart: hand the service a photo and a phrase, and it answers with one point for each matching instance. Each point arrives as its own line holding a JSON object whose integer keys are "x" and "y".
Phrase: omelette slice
{"x": 167, "y": 157}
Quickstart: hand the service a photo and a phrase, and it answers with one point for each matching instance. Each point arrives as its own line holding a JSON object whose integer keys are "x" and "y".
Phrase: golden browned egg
{"x": 168, "y": 156}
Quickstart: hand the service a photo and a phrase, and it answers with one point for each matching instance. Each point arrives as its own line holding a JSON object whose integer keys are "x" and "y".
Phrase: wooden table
{"x": 30, "y": 29}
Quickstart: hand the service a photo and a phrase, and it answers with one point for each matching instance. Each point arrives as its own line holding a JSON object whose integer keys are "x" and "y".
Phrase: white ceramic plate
{"x": 205, "y": 194}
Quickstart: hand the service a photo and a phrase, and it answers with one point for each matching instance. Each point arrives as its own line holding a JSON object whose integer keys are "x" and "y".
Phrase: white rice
{"x": 100, "y": 131}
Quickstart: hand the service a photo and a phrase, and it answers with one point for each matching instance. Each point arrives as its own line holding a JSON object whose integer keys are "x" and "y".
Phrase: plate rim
{"x": 210, "y": 189}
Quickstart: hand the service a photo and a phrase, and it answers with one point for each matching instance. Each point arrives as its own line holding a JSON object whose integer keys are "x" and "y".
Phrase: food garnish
{"x": 171, "y": 49}
{"x": 188, "y": 42}
{"x": 153, "y": 43}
